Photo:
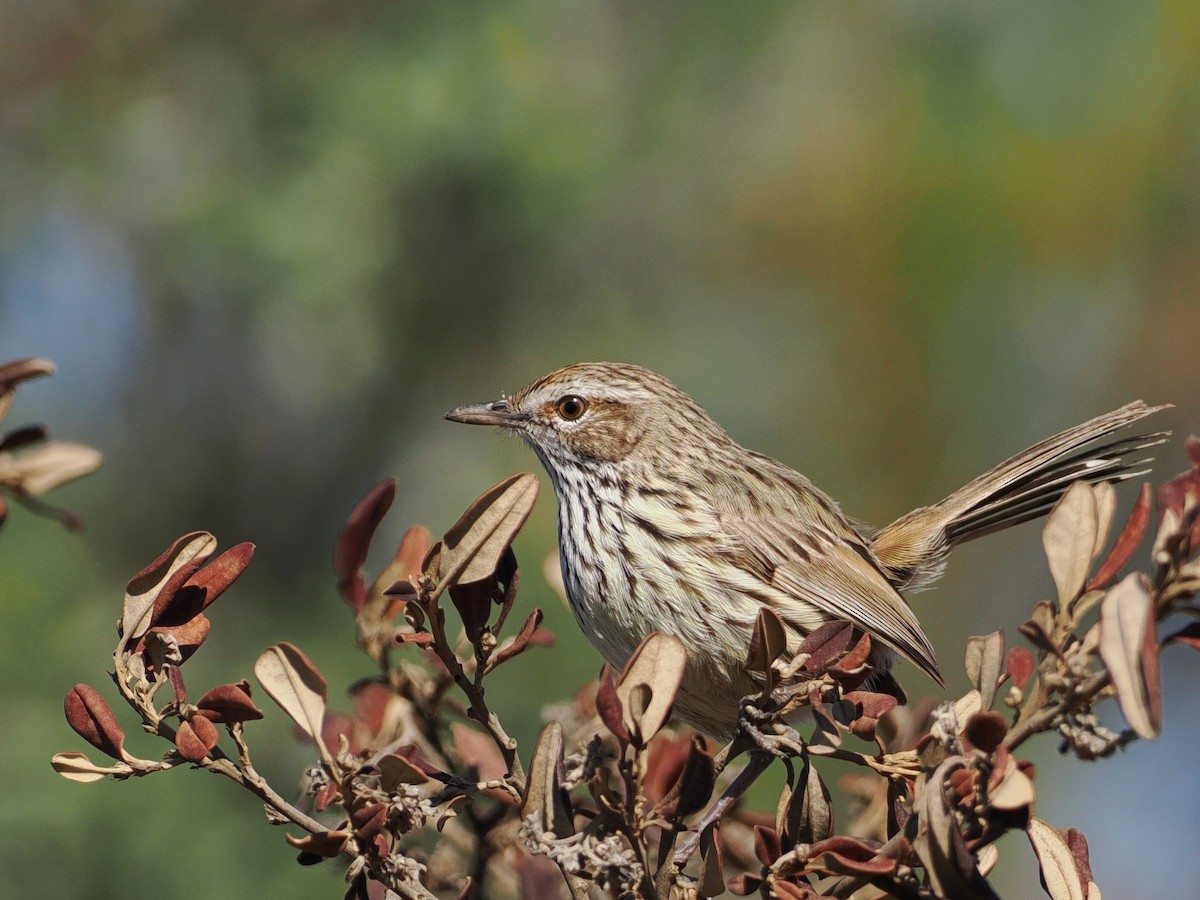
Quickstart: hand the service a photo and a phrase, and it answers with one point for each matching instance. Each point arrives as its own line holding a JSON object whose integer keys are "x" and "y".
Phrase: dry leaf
{"x": 92, "y": 719}
{"x": 1124, "y": 618}
{"x": 75, "y": 766}
{"x": 1069, "y": 538}
{"x": 656, "y": 665}
{"x": 543, "y": 794}
{"x": 1060, "y": 875}
{"x": 51, "y": 465}
{"x": 473, "y": 546}
{"x": 984, "y": 661}
{"x": 293, "y": 682}
{"x": 143, "y": 589}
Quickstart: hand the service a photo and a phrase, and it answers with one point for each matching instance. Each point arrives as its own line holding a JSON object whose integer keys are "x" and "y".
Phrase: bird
{"x": 667, "y": 525}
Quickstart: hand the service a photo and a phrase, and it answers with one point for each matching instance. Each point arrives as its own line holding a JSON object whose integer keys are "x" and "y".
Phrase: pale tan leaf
{"x": 13, "y": 373}
{"x": 1093, "y": 892}
{"x": 75, "y": 766}
{"x": 1015, "y": 791}
{"x": 966, "y": 706}
{"x": 657, "y": 664}
{"x": 987, "y": 859}
{"x": 1105, "y": 496}
{"x": 1070, "y": 539}
{"x": 1059, "y": 872}
{"x": 295, "y": 684}
{"x": 1124, "y": 618}
{"x": 143, "y": 588}
{"x": 985, "y": 663}
{"x": 472, "y": 548}
{"x": 52, "y": 464}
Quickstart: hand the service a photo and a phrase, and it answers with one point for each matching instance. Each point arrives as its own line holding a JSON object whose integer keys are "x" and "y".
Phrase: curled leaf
{"x": 93, "y": 720}
{"x": 354, "y": 541}
{"x": 196, "y": 738}
{"x": 472, "y": 548}
{"x": 1125, "y": 617}
{"x": 142, "y": 592}
{"x": 229, "y": 703}
{"x": 768, "y": 641}
{"x": 1126, "y": 543}
{"x": 75, "y": 766}
{"x": 544, "y": 800}
{"x": 647, "y": 687}
{"x": 1061, "y": 876}
{"x": 293, "y": 682}
{"x": 1070, "y": 538}
{"x": 984, "y": 658}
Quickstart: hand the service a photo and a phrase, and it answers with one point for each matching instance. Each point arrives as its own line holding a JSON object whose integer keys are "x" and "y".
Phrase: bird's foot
{"x": 761, "y": 724}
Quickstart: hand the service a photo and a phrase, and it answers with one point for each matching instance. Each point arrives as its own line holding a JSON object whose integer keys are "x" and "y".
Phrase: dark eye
{"x": 571, "y": 407}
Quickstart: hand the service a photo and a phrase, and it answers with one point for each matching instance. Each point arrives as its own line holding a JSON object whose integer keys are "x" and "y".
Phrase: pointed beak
{"x": 498, "y": 412}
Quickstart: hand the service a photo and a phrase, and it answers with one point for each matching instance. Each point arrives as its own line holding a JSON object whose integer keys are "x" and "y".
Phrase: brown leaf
{"x": 293, "y": 682}
{"x": 187, "y": 554}
{"x": 473, "y": 600}
{"x": 766, "y": 844}
{"x": 474, "y": 545}
{"x": 187, "y": 637}
{"x": 1020, "y": 666}
{"x": 538, "y": 878}
{"x": 519, "y": 642}
{"x": 608, "y": 705}
{"x": 354, "y": 542}
{"x": 825, "y": 644}
{"x": 695, "y": 784}
{"x": 807, "y": 815}
{"x": 544, "y": 800}
{"x": 768, "y": 641}
{"x": 983, "y": 661}
{"x": 1061, "y": 877}
{"x": 478, "y": 750}
{"x": 1125, "y": 615}
{"x": 1189, "y": 634}
{"x": 382, "y": 604}
{"x": 1126, "y": 543}
{"x": 869, "y": 708}
{"x": 1070, "y": 538}
{"x": 368, "y": 821}
{"x": 195, "y": 738}
{"x": 23, "y": 437}
{"x": 229, "y": 703}
{"x": 317, "y": 847}
{"x": 939, "y": 842}
{"x": 93, "y": 720}
{"x": 712, "y": 866}
{"x": 13, "y": 373}
{"x": 1079, "y": 853}
{"x": 841, "y": 855}
{"x": 986, "y": 730}
{"x": 1011, "y": 789}
{"x": 1040, "y": 627}
{"x": 657, "y": 664}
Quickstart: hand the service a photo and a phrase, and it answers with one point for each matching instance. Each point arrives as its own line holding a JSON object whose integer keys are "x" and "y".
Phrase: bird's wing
{"x": 836, "y": 573}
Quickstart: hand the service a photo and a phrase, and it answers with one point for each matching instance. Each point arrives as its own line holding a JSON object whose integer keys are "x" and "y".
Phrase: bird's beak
{"x": 498, "y": 412}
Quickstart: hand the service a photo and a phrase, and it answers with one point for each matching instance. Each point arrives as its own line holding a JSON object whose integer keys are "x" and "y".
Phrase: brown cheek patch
{"x": 610, "y": 433}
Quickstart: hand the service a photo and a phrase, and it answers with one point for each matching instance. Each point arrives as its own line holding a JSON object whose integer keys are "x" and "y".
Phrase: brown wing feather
{"x": 836, "y": 574}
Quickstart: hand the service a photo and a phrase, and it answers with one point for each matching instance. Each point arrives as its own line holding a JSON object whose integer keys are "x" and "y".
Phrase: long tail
{"x": 915, "y": 546}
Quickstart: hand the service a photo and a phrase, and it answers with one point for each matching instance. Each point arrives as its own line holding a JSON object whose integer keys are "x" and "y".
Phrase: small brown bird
{"x": 665, "y": 524}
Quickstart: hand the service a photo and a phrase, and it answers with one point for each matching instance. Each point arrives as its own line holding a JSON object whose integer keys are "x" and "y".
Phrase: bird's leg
{"x": 760, "y": 722}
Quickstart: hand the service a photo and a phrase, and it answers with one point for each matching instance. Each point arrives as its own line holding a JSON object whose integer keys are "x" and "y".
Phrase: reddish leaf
{"x": 1188, "y": 634}
{"x": 1020, "y": 666}
{"x": 368, "y": 821}
{"x": 825, "y": 644}
{"x": 1150, "y": 669}
{"x": 870, "y": 707}
{"x": 189, "y": 635}
{"x": 664, "y": 763}
{"x": 528, "y": 634}
{"x": 766, "y": 844}
{"x": 195, "y": 738}
{"x": 334, "y": 725}
{"x": 411, "y": 754}
{"x": 608, "y": 705}
{"x": 695, "y": 784}
{"x": 371, "y": 699}
{"x": 1126, "y": 543}
{"x": 986, "y": 730}
{"x": 326, "y": 796}
{"x": 317, "y": 847}
{"x": 854, "y": 668}
{"x": 13, "y": 373}
{"x": 354, "y": 542}
{"x": 479, "y": 751}
{"x": 420, "y": 638}
{"x": 229, "y": 703}
{"x": 93, "y": 720}
{"x": 538, "y": 878}
{"x": 1078, "y": 846}
{"x": 745, "y": 884}
{"x": 849, "y": 856}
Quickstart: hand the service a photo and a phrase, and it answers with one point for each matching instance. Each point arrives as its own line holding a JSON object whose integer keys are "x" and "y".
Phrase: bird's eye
{"x": 571, "y": 407}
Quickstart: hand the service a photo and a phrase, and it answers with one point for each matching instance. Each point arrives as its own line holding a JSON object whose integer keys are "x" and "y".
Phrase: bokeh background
{"x": 268, "y": 244}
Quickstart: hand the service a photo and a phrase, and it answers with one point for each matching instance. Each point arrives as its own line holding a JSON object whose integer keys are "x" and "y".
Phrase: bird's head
{"x": 592, "y": 413}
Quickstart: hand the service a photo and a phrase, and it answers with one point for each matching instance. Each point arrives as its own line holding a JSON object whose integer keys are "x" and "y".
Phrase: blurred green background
{"x": 269, "y": 244}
